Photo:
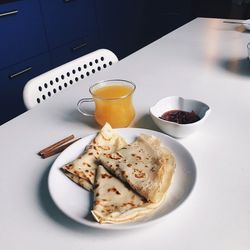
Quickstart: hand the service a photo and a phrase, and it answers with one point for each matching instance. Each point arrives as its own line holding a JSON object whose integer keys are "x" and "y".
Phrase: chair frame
{"x": 46, "y": 85}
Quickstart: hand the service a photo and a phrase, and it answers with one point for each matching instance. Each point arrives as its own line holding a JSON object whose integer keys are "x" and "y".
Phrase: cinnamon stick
{"x": 55, "y": 145}
{"x": 57, "y": 150}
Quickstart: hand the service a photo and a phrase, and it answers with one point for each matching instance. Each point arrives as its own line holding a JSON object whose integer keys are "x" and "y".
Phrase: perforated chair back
{"x": 48, "y": 84}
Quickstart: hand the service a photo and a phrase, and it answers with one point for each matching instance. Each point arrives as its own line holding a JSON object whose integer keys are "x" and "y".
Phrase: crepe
{"x": 82, "y": 170}
{"x": 146, "y": 165}
{"x": 116, "y": 203}
{"x": 78, "y": 180}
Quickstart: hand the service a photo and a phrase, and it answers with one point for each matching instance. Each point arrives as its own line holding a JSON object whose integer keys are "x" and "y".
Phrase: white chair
{"x": 48, "y": 84}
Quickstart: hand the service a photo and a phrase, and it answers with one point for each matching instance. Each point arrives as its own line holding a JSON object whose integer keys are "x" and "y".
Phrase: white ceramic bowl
{"x": 246, "y": 24}
{"x": 178, "y": 103}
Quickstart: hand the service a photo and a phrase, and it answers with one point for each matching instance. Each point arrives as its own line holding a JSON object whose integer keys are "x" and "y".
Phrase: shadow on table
{"x": 239, "y": 66}
{"x": 241, "y": 29}
{"x": 146, "y": 122}
{"x": 74, "y": 116}
{"x": 237, "y": 28}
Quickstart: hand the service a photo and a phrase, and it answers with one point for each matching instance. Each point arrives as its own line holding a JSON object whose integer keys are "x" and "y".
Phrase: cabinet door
{"x": 68, "y": 20}
{"x": 121, "y": 25}
{"x": 165, "y": 16}
{"x": 22, "y": 32}
{"x": 73, "y": 50}
{"x": 13, "y": 79}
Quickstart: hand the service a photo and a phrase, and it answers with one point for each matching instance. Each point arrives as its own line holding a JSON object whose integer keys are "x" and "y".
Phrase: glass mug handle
{"x": 80, "y": 109}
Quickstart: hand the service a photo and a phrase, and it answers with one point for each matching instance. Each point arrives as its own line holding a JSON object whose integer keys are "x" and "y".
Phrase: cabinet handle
{"x": 12, "y": 12}
{"x": 20, "y": 73}
{"x": 79, "y": 46}
{"x": 67, "y": 1}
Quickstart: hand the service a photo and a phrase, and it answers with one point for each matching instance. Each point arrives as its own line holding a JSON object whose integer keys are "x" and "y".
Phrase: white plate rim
{"x": 134, "y": 132}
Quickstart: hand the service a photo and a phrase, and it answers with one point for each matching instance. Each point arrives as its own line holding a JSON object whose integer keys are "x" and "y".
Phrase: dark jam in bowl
{"x": 179, "y": 116}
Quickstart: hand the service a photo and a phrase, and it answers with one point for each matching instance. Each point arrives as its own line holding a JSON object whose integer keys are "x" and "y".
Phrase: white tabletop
{"x": 205, "y": 60}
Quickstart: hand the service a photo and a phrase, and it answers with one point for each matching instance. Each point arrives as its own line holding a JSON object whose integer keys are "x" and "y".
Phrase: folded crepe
{"x": 116, "y": 203}
{"x": 82, "y": 170}
{"x": 146, "y": 165}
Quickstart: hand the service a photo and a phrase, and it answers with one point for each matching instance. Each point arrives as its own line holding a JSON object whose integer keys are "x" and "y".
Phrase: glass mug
{"x": 113, "y": 102}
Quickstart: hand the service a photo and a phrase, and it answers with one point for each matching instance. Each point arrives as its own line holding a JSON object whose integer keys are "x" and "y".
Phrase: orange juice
{"x": 114, "y": 105}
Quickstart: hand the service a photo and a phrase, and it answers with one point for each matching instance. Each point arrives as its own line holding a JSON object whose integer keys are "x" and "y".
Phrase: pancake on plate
{"x": 116, "y": 203}
{"x": 82, "y": 170}
{"x": 146, "y": 165}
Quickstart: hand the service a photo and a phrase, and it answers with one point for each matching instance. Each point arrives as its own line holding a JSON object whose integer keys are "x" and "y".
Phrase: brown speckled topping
{"x": 113, "y": 189}
{"x": 106, "y": 176}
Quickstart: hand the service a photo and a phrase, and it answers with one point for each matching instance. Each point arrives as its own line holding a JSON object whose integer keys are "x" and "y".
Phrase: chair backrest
{"x": 48, "y": 84}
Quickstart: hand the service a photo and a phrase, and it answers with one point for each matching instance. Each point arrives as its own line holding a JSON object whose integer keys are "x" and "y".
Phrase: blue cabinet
{"x": 37, "y": 36}
{"x": 126, "y": 26}
{"x": 12, "y": 81}
{"x": 68, "y": 20}
{"x": 121, "y": 25}
{"x": 22, "y": 33}
{"x": 165, "y": 16}
{"x": 74, "y": 49}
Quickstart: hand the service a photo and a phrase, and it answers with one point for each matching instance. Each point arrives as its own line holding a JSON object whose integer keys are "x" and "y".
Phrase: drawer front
{"x": 74, "y": 50}
{"x": 68, "y": 20}
{"x": 23, "y": 35}
{"x": 170, "y": 15}
{"x": 121, "y": 25}
{"x": 13, "y": 79}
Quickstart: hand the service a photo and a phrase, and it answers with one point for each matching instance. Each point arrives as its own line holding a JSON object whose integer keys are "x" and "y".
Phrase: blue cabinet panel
{"x": 13, "y": 79}
{"x": 22, "y": 32}
{"x": 37, "y": 35}
{"x": 68, "y": 20}
{"x": 74, "y": 50}
{"x": 121, "y": 25}
{"x": 165, "y": 16}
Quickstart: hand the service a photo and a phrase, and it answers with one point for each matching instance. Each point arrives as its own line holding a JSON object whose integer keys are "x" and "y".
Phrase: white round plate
{"x": 76, "y": 202}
